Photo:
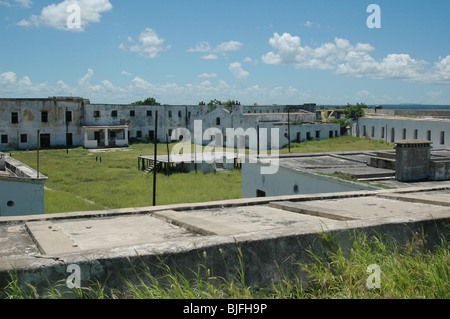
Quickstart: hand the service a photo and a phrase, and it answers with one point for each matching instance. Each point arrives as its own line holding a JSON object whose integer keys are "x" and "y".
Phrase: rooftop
{"x": 269, "y": 229}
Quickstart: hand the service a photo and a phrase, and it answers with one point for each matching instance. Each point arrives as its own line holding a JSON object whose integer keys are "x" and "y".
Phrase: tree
{"x": 147, "y": 101}
{"x": 343, "y": 123}
{"x": 213, "y": 104}
{"x": 354, "y": 112}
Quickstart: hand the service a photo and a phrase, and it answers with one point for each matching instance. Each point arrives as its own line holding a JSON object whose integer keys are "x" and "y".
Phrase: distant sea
{"x": 414, "y": 107}
{"x": 405, "y": 106}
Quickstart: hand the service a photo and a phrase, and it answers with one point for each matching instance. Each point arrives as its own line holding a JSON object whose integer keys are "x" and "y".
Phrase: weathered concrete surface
{"x": 273, "y": 235}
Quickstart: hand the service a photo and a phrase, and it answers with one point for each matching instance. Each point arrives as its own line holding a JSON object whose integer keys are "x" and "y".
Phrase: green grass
{"x": 340, "y": 144}
{"x": 78, "y": 181}
{"x": 411, "y": 271}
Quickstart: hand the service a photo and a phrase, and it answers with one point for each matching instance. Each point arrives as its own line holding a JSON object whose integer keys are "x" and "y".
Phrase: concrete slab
{"x": 358, "y": 208}
{"x": 319, "y": 161}
{"x": 238, "y": 220}
{"x": 50, "y": 239}
{"x": 15, "y": 241}
{"x": 66, "y": 236}
{"x": 272, "y": 232}
{"x": 441, "y": 198}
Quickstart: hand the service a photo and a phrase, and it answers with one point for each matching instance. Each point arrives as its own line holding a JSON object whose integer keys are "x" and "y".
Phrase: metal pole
{"x": 258, "y": 146}
{"x": 168, "y": 154}
{"x": 289, "y": 130}
{"x": 154, "y": 162}
{"x": 38, "y": 141}
{"x": 195, "y": 155}
{"x": 67, "y": 133}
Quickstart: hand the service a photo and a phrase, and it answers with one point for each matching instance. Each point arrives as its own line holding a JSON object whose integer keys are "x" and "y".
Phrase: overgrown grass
{"x": 411, "y": 271}
{"x": 79, "y": 181}
{"x": 84, "y": 180}
{"x": 340, "y": 144}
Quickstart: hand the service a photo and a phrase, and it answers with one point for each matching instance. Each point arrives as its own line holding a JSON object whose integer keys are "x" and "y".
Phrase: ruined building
{"x": 74, "y": 121}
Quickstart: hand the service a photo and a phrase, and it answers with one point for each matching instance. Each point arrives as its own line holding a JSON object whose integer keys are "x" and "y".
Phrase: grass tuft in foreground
{"x": 412, "y": 271}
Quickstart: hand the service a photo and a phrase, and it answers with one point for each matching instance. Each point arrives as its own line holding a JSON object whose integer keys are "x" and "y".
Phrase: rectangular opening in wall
{"x": 14, "y": 118}
{"x": 308, "y": 136}
{"x": 372, "y": 134}
{"x": 151, "y": 136}
{"x": 404, "y": 134}
{"x": 69, "y": 139}
{"x": 364, "y": 131}
{"x": 416, "y": 134}
{"x": 442, "y": 139}
{"x": 382, "y": 132}
{"x": 317, "y": 134}
{"x": 96, "y": 114}
{"x": 260, "y": 193}
{"x": 429, "y": 135}
{"x": 68, "y": 116}
{"x": 44, "y": 116}
{"x": 149, "y": 113}
{"x": 331, "y": 134}
{"x": 132, "y": 113}
{"x": 392, "y": 135}
{"x": 299, "y": 135}
{"x": 114, "y": 113}
{"x": 44, "y": 140}
{"x": 23, "y": 138}
{"x": 4, "y": 139}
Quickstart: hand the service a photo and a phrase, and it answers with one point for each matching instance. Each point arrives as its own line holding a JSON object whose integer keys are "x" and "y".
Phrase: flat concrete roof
{"x": 29, "y": 239}
{"x": 270, "y": 234}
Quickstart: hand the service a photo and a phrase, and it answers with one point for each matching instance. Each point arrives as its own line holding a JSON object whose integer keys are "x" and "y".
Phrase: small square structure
{"x": 412, "y": 160}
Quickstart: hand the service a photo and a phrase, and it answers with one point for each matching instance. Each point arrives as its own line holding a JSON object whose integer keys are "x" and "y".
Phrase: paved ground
{"x": 271, "y": 232}
{"x": 73, "y": 233}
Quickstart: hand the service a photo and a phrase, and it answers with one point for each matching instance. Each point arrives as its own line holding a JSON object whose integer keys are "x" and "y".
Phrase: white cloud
{"x": 56, "y": 15}
{"x": 24, "y": 3}
{"x": 354, "y": 60}
{"x": 310, "y": 24}
{"x": 222, "y": 48}
{"x": 238, "y": 72}
{"x": 7, "y": 78}
{"x": 125, "y": 73}
{"x": 207, "y": 75}
{"x": 21, "y": 3}
{"x": 150, "y": 44}
{"x": 201, "y": 47}
{"x": 210, "y": 57}
{"x": 229, "y": 46}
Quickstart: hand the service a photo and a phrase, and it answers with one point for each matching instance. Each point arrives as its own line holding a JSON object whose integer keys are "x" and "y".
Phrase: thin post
{"x": 289, "y": 129}
{"x": 67, "y": 133}
{"x": 195, "y": 155}
{"x": 258, "y": 146}
{"x": 154, "y": 166}
{"x": 38, "y": 141}
{"x": 168, "y": 154}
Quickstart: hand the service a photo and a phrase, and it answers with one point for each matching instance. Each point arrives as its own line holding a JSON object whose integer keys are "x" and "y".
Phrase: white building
{"x": 395, "y": 128}
{"x": 297, "y": 174}
{"x": 74, "y": 121}
{"x": 21, "y": 188}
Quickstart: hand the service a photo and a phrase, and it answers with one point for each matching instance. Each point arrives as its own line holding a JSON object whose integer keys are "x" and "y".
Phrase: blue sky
{"x": 265, "y": 52}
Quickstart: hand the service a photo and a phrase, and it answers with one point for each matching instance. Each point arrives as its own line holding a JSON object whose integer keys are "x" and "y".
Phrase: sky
{"x": 329, "y": 52}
